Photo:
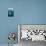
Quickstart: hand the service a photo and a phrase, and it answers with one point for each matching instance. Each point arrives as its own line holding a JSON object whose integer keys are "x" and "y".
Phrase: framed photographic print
{"x": 10, "y": 12}
{"x": 33, "y": 32}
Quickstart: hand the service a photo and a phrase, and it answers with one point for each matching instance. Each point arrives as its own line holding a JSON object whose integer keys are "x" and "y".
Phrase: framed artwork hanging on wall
{"x": 10, "y": 12}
